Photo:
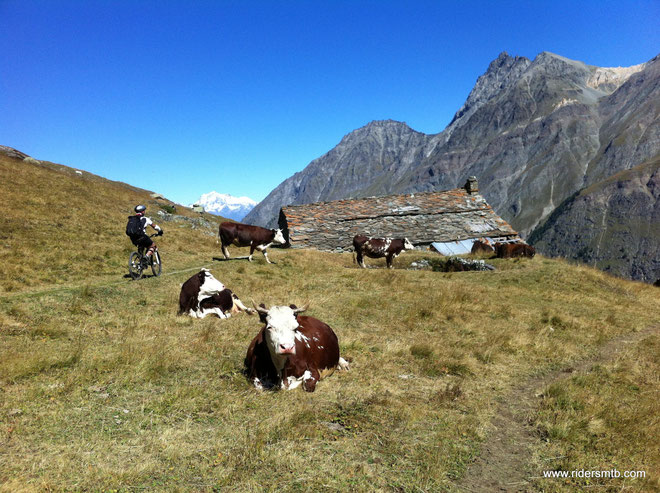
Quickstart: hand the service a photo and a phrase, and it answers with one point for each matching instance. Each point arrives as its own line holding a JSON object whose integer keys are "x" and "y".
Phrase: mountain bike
{"x": 138, "y": 262}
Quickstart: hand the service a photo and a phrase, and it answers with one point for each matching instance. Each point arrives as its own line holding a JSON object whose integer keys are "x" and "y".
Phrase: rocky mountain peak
{"x": 501, "y": 74}
{"x": 503, "y": 59}
{"x": 377, "y": 128}
{"x": 547, "y": 64}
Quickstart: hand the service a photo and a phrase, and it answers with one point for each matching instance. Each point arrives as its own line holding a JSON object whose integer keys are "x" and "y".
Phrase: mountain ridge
{"x": 226, "y": 205}
{"x": 534, "y": 132}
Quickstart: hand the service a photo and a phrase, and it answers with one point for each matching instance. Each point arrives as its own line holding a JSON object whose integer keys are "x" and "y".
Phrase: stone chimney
{"x": 471, "y": 185}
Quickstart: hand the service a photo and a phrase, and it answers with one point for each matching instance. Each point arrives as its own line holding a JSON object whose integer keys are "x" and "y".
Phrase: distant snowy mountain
{"x": 226, "y": 205}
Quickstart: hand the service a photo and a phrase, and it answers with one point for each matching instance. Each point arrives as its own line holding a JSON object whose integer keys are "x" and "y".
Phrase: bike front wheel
{"x": 156, "y": 266}
{"x": 135, "y": 265}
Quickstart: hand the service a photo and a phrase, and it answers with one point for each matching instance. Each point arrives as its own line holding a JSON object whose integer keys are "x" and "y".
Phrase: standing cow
{"x": 379, "y": 248}
{"x": 291, "y": 350}
{"x": 242, "y": 235}
{"x": 203, "y": 295}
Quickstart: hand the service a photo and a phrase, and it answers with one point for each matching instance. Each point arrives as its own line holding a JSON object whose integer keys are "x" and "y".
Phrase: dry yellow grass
{"x": 59, "y": 227}
{"x": 104, "y": 388}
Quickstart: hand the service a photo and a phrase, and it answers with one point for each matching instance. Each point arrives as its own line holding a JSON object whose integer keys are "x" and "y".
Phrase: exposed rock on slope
{"x": 534, "y": 132}
{"x": 613, "y": 225}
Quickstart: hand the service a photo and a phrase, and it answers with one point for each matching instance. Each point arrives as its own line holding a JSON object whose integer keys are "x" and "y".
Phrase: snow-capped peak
{"x": 223, "y": 204}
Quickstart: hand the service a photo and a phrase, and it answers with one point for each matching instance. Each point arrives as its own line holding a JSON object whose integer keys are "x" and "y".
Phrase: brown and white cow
{"x": 379, "y": 247}
{"x": 511, "y": 250}
{"x": 482, "y": 246}
{"x": 203, "y": 295}
{"x": 242, "y": 235}
{"x": 290, "y": 350}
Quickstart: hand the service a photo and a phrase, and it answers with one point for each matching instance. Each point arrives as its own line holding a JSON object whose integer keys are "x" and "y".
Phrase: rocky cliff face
{"x": 535, "y": 133}
{"x": 613, "y": 225}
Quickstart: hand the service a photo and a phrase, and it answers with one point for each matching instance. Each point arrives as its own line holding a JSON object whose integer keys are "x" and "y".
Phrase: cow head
{"x": 407, "y": 245}
{"x": 281, "y": 326}
{"x": 208, "y": 285}
{"x": 279, "y": 237}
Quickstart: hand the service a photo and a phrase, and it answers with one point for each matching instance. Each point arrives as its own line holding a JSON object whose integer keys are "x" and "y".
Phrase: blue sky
{"x": 185, "y": 97}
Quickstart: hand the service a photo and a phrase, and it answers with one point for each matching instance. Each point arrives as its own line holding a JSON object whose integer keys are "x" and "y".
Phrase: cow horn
{"x": 260, "y": 309}
{"x": 300, "y": 310}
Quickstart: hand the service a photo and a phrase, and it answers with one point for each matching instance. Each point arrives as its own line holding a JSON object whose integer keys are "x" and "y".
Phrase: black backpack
{"x": 134, "y": 226}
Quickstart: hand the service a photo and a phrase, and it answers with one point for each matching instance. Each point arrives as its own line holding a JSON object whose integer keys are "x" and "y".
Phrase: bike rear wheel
{"x": 156, "y": 266}
{"x": 135, "y": 265}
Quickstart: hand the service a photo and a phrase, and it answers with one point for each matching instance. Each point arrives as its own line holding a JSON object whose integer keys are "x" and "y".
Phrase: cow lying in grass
{"x": 511, "y": 250}
{"x": 203, "y": 295}
{"x": 379, "y": 248}
{"x": 482, "y": 247}
{"x": 291, "y": 350}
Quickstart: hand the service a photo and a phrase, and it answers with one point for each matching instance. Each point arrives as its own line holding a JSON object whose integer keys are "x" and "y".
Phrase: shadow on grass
{"x": 144, "y": 276}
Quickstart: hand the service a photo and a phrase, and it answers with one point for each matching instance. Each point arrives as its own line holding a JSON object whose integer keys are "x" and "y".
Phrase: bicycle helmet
{"x": 140, "y": 209}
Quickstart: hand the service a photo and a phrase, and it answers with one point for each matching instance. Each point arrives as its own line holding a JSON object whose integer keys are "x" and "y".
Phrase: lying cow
{"x": 242, "y": 235}
{"x": 379, "y": 248}
{"x": 511, "y": 250}
{"x": 291, "y": 350}
{"x": 482, "y": 247}
{"x": 203, "y": 295}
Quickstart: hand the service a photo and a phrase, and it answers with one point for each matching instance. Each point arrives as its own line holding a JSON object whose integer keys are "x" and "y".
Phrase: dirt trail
{"x": 505, "y": 460}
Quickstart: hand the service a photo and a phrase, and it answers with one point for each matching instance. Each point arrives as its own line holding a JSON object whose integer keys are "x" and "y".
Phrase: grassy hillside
{"x": 104, "y": 388}
{"x": 59, "y": 226}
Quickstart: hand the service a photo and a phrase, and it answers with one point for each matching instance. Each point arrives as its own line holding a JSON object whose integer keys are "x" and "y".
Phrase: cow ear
{"x": 293, "y": 307}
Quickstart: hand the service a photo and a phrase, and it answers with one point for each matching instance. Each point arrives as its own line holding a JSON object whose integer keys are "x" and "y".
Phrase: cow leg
{"x": 343, "y": 364}
{"x": 262, "y": 249}
{"x": 225, "y": 251}
{"x": 389, "y": 259}
{"x": 212, "y": 311}
{"x": 360, "y": 259}
{"x": 309, "y": 380}
{"x": 239, "y": 306}
{"x": 252, "y": 248}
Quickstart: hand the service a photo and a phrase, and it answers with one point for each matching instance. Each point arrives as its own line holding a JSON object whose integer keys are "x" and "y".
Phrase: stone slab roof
{"x": 423, "y": 218}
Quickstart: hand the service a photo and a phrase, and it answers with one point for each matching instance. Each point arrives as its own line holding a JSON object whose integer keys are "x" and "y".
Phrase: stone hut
{"x": 423, "y": 218}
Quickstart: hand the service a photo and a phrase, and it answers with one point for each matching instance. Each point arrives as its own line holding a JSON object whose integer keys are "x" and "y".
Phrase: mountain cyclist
{"x": 136, "y": 229}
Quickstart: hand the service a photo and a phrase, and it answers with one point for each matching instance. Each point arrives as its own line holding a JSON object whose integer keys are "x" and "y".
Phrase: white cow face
{"x": 279, "y": 237}
{"x": 407, "y": 245}
{"x": 210, "y": 285}
{"x": 281, "y": 326}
